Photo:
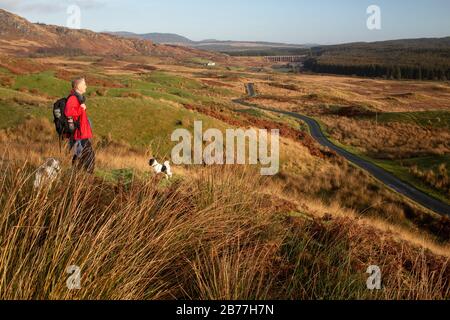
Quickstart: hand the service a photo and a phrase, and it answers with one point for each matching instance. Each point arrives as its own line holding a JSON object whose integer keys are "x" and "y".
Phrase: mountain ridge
{"x": 18, "y": 36}
{"x": 156, "y": 37}
{"x": 207, "y": 44}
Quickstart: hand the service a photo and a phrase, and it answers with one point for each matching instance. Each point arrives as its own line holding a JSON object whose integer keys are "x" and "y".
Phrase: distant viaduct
{"x": 285, "y": 58}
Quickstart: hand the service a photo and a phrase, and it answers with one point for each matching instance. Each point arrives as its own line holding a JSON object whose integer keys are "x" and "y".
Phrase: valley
{"x": 217, "y": 231}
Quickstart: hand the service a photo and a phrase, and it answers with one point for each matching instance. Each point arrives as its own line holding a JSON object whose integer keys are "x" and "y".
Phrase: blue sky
{"x": 291, "y": 21}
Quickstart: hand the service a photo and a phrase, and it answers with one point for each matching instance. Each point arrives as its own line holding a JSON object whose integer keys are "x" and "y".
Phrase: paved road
{"x": 250, "y": 89}
{"x": 376, "y": 171}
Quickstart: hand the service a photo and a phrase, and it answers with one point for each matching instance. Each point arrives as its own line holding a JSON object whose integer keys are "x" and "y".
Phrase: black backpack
{"x": 65, "y": 127}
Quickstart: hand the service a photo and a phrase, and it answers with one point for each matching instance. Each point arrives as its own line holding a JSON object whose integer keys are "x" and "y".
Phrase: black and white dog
{"x": 161, "y": 168}
{"x": 47, "y": 173}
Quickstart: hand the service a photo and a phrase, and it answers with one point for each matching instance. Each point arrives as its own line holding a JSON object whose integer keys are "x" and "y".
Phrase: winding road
{"x": 382, "y": 175}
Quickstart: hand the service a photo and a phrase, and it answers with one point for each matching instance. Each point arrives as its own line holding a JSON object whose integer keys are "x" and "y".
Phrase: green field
{"x": 44, "y": 82}
{"x": 435, "y": 119}
{"x": 15, "y": 107}
{"x": 141, "y": 121}
{"x": 427, "y": 163}
{"x": 139, "y": 113}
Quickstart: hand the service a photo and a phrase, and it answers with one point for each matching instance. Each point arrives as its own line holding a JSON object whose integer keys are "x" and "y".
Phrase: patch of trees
{"x": 389, "y": 71}
{"x": 420, "y": 59}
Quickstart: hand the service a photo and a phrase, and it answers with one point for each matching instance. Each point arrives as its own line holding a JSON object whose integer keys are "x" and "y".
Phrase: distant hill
{"x": 18, "y": 36}
{"x": 210, "y": 44}
{"x": 387, "y": 47}
{"x": 427, "y": 59}
{"x": 160, "y": 38}
{"x": 249, "y": 47}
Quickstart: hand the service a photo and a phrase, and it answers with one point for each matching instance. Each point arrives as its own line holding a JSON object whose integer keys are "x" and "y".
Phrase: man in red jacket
{"x": 81, "y": 141}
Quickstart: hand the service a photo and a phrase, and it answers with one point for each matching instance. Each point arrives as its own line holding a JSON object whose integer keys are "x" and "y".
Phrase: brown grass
{"x": 213, "y": 232}
{"x": 388, "y": 96}
{"x": 391, "y": 140}
{"x": 213, "y": 237}
{"x": 6, "y": 81}
{"x": 438, "y": 179}
{"x": 110, "y": 155}
{"x": 224, "y": 233}
{"x": 21, "y": 65}
{"x": 333, "y": 181}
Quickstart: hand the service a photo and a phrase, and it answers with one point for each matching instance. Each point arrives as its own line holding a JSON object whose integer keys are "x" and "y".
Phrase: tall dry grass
{"x": 438, "y": 179}
{"x": 338, "y": 182}
{"x": 217, "y": 235}
{"x": 389, "y": 140}
{"x": 130, "y": 241}
{"x": 34, "y": 140}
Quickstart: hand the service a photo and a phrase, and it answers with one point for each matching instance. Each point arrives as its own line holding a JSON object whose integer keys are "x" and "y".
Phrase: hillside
{"x": 160, "y": 38}
{"x": 212, "y": 232}
{"x": 22, "y": 38}
{"x": 249, "y": 47}
{"x": 228, "y": 46}
{"x": 216, "y": 232}
{"x": 427, "y": 59}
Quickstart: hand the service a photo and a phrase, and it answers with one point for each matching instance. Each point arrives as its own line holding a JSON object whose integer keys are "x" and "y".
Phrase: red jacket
{"x": 74, "y": 110}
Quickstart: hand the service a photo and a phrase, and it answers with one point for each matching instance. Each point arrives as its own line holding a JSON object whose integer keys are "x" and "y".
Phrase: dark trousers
{"x": 86, "y": 158}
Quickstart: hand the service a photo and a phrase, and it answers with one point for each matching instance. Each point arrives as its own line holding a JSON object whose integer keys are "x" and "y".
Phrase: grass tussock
{"x": 438, "y": 178}
{"x": 389, "y": 140}
{"x": 218, "y": 235}
{"x": 354, "y": 189}
{"x": 211, "y": 232}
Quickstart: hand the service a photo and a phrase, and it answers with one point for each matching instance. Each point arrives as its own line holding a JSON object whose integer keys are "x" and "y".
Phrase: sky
{"x": 287, "y": 21}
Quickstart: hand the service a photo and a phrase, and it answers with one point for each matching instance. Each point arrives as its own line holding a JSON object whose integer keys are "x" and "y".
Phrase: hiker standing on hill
{"x": 80, "y": 142}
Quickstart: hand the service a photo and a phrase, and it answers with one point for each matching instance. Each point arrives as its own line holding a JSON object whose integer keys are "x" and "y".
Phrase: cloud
{"x": 47, "y": 6}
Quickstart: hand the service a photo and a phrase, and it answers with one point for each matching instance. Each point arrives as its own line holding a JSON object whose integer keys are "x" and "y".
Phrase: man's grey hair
{"x": 77, "y": 81}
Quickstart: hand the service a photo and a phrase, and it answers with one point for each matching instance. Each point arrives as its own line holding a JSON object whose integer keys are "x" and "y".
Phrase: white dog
{"x": 161, "y": 168}
{"x": 47, "y": 173}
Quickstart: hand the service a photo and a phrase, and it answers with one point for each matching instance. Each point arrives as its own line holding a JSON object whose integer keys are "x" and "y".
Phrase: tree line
{"x": 416, "y": 72}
